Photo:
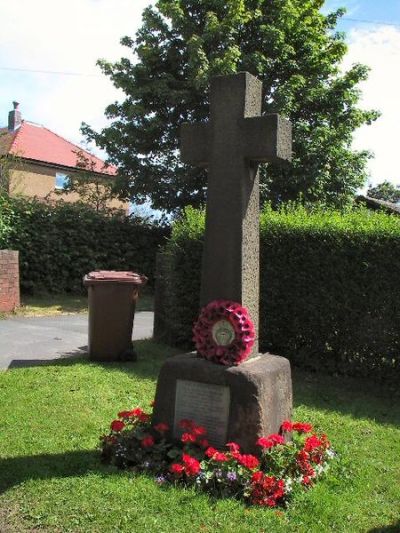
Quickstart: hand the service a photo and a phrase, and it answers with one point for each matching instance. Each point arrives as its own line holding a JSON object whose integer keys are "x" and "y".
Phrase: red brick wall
{"x": 9, "y": 280}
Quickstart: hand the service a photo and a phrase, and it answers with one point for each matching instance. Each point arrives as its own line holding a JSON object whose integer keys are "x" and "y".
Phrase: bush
{"x": 59, "y": 244}
{"x": 329, "y": 298}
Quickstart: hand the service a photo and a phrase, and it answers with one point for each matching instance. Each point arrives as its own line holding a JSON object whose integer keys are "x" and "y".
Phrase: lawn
{"x": 65, "y": 304}
{"x": 51, "y": 479}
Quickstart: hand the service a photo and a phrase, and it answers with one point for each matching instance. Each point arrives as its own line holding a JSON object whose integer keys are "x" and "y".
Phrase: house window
{"x": 61, "y": 180}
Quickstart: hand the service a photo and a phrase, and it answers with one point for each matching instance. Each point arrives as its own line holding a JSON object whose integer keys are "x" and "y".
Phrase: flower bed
{"x": 271, "y": 478}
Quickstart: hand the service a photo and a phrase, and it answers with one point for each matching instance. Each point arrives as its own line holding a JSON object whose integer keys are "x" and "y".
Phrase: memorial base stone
{"x": 235, "y": 404}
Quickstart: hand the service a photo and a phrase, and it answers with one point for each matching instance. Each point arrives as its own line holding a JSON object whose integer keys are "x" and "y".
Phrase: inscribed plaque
{"x": 205, "y": 404}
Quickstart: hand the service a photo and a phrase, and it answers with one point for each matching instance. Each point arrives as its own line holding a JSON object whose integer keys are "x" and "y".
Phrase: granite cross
{"x": 231, "y": 145}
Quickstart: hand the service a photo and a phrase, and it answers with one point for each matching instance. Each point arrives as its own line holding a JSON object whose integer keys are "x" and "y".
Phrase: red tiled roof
{"x": 35, "y": 142}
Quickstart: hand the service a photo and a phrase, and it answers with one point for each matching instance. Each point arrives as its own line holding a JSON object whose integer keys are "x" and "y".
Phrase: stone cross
{"x": 231, "y": 145}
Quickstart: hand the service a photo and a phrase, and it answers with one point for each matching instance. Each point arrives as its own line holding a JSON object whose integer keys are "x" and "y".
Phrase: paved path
{"x": 25, "y": 341}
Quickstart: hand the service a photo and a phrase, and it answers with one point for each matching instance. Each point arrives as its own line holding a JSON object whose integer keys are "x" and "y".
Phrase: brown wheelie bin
{"x": 112, "y": 302}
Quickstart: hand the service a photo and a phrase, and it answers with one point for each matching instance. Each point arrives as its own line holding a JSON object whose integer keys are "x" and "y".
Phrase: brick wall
{"x": 9, "y": 280}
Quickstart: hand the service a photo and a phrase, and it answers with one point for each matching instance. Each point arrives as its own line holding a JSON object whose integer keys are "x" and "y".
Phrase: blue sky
{"x": 69, "y": 36}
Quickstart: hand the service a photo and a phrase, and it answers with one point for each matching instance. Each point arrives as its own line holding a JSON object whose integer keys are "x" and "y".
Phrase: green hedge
{"x": 59, "y": 244}
{"x": 329, "y": 298}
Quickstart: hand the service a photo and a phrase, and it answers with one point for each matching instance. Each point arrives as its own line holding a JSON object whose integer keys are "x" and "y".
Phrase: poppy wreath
{"x": 224, "y": 333}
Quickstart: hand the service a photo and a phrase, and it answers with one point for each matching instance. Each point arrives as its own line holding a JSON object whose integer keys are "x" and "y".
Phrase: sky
{"x": 62, "y": 39}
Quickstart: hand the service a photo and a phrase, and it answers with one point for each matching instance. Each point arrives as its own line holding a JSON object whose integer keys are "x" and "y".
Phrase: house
{"x": 39, "y": 161}
{"x": 378, "y": 205}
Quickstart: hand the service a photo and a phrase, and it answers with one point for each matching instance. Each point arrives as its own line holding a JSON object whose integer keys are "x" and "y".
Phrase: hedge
{"x": 60, "y": 243}
{"x": 329, "y": 296}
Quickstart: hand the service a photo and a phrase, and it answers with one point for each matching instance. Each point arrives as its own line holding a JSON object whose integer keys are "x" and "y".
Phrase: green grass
{"x": 51, "y": 478}
{"x": 66, "y": 304}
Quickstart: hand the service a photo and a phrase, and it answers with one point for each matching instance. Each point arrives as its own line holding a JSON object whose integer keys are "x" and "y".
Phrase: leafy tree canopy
{"x": 288, "y": 44}
{"x": 385, "y": 191}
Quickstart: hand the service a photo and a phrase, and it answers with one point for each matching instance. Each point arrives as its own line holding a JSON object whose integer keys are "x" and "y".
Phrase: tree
{"x": 385, "y": 191}
{"x": 288, "y": 44}
{"x": 94, "y": 189}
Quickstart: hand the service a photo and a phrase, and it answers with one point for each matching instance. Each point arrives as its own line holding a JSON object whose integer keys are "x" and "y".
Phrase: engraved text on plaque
{"x": 205, "y": 404}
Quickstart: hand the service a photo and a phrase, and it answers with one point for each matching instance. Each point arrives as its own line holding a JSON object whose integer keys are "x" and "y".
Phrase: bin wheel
{"x": 128, "y": 355}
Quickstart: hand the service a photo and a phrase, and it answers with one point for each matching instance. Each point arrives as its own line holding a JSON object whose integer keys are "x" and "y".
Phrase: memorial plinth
{"x": 236, "y": 403}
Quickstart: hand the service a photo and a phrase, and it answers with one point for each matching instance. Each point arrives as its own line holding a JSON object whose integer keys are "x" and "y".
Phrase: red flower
{"x": 199, "y": 430}
{"x": 270, "y": 441}
{"x": 312, "y": 443}
{"x": 210, "y": 452}
{"x": 306, "y": 480}
{"x": 147, "y": 442}
{"x": 186, "y": 424}
{"x": 192, "y": 465}
{"x": 266, "y": 490}
{"x": 287, "y": 426}
{"x": 117, "y": 425}
{"x": 247, "y": 460}
{"x": 301, "y": 427}
{"x": 233, "y": 447}
{"x": 220, "y": 457}
{"x": 204, "y": 443}
{"x": 176, "y": 468}
{"x": 161, "y": 427}
{"x": 188, "y": 437}
{"x": 124, "y": 414}
{"x": 137, "y": 412}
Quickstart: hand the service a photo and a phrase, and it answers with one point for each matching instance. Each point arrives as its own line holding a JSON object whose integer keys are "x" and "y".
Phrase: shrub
{"x": 328, "y": 298}
{"x": 60, "y": 243}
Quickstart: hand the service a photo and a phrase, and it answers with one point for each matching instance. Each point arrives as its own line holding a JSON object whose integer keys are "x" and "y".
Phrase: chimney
{"x": 14, "y": 118}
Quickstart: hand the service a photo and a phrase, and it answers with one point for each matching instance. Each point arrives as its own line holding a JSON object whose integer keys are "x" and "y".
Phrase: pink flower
{"x": 233, "y": 447}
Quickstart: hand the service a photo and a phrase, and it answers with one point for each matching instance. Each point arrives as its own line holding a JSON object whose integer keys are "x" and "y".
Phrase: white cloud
{"x": 63, "y": 37}
{"x": 379, "y": 48}
{"x": 71, "y": 35}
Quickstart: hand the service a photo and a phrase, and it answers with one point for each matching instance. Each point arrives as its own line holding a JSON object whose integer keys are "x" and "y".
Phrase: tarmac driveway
{"x": 25, "y": 341}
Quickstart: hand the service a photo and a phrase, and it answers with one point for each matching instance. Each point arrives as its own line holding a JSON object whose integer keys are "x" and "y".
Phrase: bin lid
{"x": 116, "y": 276}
